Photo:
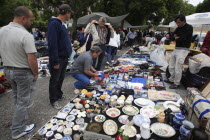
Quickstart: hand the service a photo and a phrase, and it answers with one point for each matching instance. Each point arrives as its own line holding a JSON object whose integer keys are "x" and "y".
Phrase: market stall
{"x": 127, "y": 100}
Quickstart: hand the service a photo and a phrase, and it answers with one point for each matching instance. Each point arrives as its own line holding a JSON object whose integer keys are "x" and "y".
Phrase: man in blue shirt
{"x": 59, "y": 49}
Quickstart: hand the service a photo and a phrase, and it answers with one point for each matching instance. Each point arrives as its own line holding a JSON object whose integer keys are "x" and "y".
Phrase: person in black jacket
{"x": 59, "y": 49}
{"x": 183, "y": 36}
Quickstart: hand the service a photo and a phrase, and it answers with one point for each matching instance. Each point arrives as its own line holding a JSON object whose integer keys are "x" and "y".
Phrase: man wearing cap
{"x": 59, "y": 49}
{"x": 82, "y": 68}
{"x": 104, "y": 32}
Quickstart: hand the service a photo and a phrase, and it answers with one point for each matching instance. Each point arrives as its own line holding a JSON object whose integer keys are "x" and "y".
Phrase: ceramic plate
{"x": 59, "y": 122}
{"x": 110, "y": 127}
{"x": 142, "y": 101}
{"x": 54, "y": 128}
{"x": 53, "y": 121}
{"x": 66, "y": 110}
{"x": 70, "y": 105}
{"x": 100, "y": 118}
{"x": 130, "y": 110}
{"x": 123, "y": 119}
{"x": 94, "y": 127}
{"x": 70, "y": 118}
{"x": 74, "y": 112}
{"x": 42, "y": 132}
{"x": 150, "y": 103}
{"x": 80, "y": 121}
{"x": 67, "y": 138}
{"x": 48, "y": 126}
{"x": 130, "y": 132}
{"x": 163, "y": 130}
{"x": 113, "y": 112}
{"x": 148, "y": 111}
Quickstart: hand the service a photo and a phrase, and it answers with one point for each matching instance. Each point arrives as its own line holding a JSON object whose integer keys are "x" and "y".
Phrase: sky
{"x": 195, "y": 2}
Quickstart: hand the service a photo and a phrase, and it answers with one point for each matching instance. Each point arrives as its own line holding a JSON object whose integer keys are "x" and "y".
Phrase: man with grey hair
{"x": 17, "y": 50}
{"x": 82, "y": 68}
{"x": 105, "y": 32}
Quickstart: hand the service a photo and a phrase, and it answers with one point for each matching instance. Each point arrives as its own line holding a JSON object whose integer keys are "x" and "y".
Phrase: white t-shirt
{"x": 15, "y": 43}
{"x": 163, "y": 40}
{"x": 115, "y": 41}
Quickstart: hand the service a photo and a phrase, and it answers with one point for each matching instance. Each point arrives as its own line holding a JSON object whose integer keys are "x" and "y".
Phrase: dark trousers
{"x": 56, "y": 80}
{"x": 130, "y": 42}
{"x": 100, "y": 58}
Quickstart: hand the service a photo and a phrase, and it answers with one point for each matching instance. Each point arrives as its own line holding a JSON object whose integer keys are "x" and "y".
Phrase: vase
{"x": 177, "y": 120}
{"x": 185, "y": 130}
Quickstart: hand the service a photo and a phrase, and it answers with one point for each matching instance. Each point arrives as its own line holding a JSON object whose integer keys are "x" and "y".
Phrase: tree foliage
{"x": 203, "y": 7}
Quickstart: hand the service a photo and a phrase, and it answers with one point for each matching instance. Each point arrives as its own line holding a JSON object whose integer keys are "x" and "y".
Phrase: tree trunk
{"x": 74, "y": 27}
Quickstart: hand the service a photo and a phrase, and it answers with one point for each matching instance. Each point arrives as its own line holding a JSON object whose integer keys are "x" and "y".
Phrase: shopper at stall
{"x": 82, "y": 68}
{"x": 17, "y": 50}
{"x": 131, "y": 37}
{"x": 82, "y": 38}
{"x": 166, "y": 39}
{"x": 105, "y": 32}
{"x": 114, "y": 43}
{"x": 59, "y": 49}
{"x": 183, "y": 35}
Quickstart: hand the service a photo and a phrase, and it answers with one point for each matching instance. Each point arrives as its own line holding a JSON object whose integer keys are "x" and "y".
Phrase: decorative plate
{"x": 123, "y": 119}
{"x": 53, "y": 121}
{"x": 110, "y": 127}
{"x": 70, "y": 105}
{"x": 49, "y": 134}
{"x": 163, "y": 130}
{"x": 67, "y": 138}
{"x": 76, "y": 127}
{"x": 54, "y": 128}
{"x": 58, "y": 136}
{"x": 48, "y": 126}
{"x": 150, "y": 103}
{"x": 142, "y": 101}
{"x": 70, "y": 118}
{"x": 130, "y": 110}
{"x": 80, "y": 121}
{"x": 94, "y": 127}
{"x": 148, "y": 111}
{"x": 66, "y": 110}
{"x": 130, "y": 132}
{"x": 74, "y": 112}
{"x": 100, "y": 118}
{"x": 59, "y": 122}
{"x": 70, "y": 124}
{"x": 42, "y": 132}
{"x": 113, "y": 112}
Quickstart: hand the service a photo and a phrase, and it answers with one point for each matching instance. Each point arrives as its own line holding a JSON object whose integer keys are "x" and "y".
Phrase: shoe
{"x": 29, "y": 129}
{"x": 107, "y": 63}
{"x": 167, "y": 81}
{"x": 112, "y": 61}
{"x": 174, "y": 86}
{"x": 62, "y": 98}
{"x": 56, "y": 105}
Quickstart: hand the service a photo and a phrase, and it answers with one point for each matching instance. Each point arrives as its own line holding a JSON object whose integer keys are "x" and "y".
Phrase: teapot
{"x": 145, "y": 131}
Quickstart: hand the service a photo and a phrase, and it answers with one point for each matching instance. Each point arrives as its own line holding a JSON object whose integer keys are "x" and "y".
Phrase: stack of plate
{"x": 142, "y": 102}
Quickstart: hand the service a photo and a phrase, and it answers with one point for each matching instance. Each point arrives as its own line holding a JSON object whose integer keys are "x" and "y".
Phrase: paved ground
{"x": 41, "y": 112}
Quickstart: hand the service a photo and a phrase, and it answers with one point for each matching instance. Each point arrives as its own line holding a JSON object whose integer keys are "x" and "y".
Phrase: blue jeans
{"x": 23, "y": 89}
{"x": 56, "y": 80}
{"x": 83, "y": 80}
{"x": 111, "y": 53}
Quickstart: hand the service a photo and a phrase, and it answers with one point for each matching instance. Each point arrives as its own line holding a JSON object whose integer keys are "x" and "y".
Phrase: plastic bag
{"x": 157, "y": 56}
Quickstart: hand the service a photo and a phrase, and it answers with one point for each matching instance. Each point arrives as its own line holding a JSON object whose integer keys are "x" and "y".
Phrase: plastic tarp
{"x": 95, "y": 16}
{"x": 157, "y": 56}
{"x": 198, "y": 62}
